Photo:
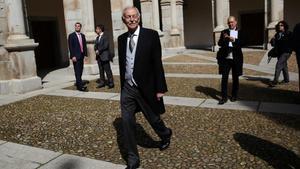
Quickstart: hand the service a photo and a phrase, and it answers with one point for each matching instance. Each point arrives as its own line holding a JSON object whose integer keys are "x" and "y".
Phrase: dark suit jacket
{"x": 236, "y": 52}
{"x": 103, "y": 47}
{"x": 148, "y": 70}
{"x": 74, "y": 46}
{"x": 282, "y": 44}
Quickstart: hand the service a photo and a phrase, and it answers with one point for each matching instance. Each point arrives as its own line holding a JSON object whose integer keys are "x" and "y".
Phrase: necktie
{"x": 80, "y": 42}
{"x": 131, "y": 42}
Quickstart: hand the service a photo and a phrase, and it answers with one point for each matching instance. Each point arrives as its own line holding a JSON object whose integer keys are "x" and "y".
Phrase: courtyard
{"x": 261, "y": 130}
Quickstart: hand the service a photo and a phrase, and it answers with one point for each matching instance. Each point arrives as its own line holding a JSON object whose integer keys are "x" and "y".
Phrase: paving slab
{"x": 97, "y": 95}
{"x": 74, "y": 162}
{"x": 238, "y": 105}
{"x": 279, "y": 108}
{"x": 189, "y": 63}
{"x": 182, "y": 101}
{"x": 7, "y": 162}
{"x": 66, "y": 93}
{"x": 27, "y": 153}
{"x": 2, "y": 142}
{"x": 116, "y": 98}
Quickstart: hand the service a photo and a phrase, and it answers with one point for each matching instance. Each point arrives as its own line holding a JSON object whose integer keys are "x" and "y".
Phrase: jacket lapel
{"x": 123, "y": 49}
{"x": 139, "y": 46}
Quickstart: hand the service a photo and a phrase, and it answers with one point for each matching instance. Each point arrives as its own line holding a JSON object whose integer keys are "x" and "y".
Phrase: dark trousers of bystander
{"x": 104, "y": 67}
{"x": 78, "y": 69}
{"x": 229, "y": 65}
{"x": 282, "y": 65}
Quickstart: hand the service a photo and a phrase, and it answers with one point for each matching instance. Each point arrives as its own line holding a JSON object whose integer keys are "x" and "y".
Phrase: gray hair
{"x": 130, "y": 7}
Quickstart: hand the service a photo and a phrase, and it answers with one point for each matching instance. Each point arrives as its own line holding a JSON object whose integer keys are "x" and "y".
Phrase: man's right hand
{"x": 74, "y": 59}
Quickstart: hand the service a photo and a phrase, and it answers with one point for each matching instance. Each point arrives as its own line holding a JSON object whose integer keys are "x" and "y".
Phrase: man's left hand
{"x": 159, "y": 96}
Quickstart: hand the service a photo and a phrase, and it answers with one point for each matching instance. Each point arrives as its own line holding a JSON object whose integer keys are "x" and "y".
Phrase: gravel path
{"x": 203, "y": 138}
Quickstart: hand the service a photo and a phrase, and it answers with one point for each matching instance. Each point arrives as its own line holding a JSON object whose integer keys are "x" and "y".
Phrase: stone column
{"x": 127, "y": 3}
{"x": 276, "y": 14}
{"x": 172, "y": 18}
{"x": 17, "y": 56}
{"x": 73, "y": 14}
{"x": 146, "y": 11}
{"x": 88, "y": 28}
{"x": 222, "y": 13}
{"x": 155, "y": 15}
{"x": 15, "y": 18}
{"x": 174, "y": 27}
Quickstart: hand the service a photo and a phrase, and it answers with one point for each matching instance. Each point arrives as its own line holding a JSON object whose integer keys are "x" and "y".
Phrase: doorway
{"x": 252, "y": 25}
{"x": 47, "y": 54}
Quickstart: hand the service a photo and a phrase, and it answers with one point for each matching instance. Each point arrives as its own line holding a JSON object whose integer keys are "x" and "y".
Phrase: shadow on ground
{"x": 143, "y": 139}
{"x": 275, "y": 155}
{"x": 208, "y": 91}
{"x": 70, "y": 164}
{"x": 256, "y": 92}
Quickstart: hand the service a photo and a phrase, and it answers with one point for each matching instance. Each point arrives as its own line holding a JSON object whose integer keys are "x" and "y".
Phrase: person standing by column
{"x": 78, "y": 51}
{"x": 103, "y": 57}
{"x": 282, "y": 43}
{"x": 230, "y": 57}
{"x": 143, "y": 83}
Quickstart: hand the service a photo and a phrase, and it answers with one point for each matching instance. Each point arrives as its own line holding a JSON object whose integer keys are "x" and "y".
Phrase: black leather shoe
{"x": 83, "y": 89}
{"x": 133, "y": 166}
{"x": 273, "y": 84}
{"x": 110, "y": 86}
{"x": 165, "y": 142}
{"x": 100, "y": 85}
{"x": 222, "y": 101}
{"x": 233, "y": 99}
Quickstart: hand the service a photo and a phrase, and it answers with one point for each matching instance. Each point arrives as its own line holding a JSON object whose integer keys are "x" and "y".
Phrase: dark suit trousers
{"x": 78, "y": 69}
{"x": 282, "y": 65}
{"x": 104, "y": 67}
{"x": 228, "y": 65}
{"x": 131, "y": 98}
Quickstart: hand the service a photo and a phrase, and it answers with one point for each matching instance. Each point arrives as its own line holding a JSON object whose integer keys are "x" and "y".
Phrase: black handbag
{"x": 273, "y": 53}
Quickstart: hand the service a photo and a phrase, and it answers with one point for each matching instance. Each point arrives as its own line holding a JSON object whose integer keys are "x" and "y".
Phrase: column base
{"x": 89, "y": 69}
{"x": 175, "y": 32}
{"x": 19, "y": 86}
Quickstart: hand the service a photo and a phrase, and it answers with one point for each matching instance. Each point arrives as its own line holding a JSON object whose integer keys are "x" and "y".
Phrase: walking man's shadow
{"x": 143, "y": 139}
{"x": 276, "y": 155}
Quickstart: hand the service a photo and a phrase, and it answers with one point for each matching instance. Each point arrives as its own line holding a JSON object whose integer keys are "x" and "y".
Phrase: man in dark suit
{"x": 103, "y": 57}
{"x": 296, "y": 45}
{"x": 143, "y": 83}
{"x": 78, "y": 51}
{"x": 230, "y": 57}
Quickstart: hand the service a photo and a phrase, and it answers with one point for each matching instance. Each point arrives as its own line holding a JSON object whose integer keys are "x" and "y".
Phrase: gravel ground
{"x": 250, "y": 57}
{"x": 203, "y": 138}
{"x": 205, "y": 69}
{"x": 253, "y": 90}
{"x": 292, "y": 63}
{"x": 253, "y": 57}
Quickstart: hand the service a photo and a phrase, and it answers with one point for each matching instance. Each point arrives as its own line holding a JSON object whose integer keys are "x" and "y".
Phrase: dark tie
{"x": 131, "y": 42}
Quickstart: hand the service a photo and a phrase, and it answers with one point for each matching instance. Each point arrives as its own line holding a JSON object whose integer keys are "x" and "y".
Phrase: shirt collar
{"x": 233, "y": 29}
{"x": 137, "y": 31}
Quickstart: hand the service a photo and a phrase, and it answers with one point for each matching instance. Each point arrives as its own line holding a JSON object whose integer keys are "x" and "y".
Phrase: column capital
{"x": 168, "y": 2}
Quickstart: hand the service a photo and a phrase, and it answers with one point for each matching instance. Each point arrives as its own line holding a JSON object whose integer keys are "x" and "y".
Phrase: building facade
{"x": 33, "y": 33}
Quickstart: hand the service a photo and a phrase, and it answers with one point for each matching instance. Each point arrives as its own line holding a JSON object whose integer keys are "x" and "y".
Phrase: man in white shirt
{"x": 230, "y": 57}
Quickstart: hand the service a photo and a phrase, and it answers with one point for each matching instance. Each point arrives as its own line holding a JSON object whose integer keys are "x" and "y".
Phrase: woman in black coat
{"x": 282, "y": 43}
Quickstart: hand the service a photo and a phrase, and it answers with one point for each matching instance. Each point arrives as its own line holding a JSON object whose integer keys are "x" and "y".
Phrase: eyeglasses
{"x": 128, "y": 17}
